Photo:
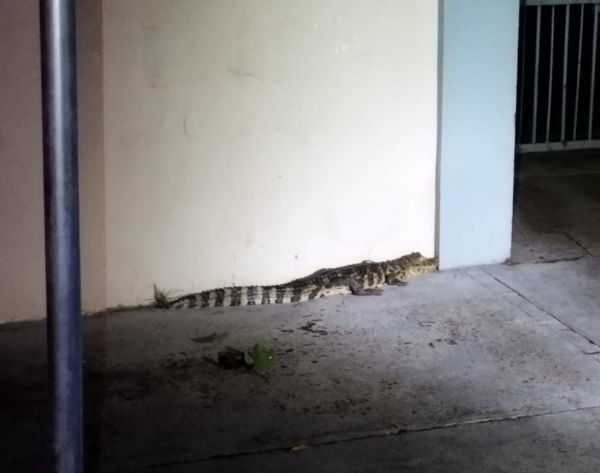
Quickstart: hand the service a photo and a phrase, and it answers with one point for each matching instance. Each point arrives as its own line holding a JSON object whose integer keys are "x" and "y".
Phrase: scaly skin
{"x": 365, "y": 278}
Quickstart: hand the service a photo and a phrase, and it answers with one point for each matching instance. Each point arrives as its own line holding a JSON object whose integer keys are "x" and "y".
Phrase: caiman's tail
{"x": 247, "y": 295}
{"x": 239, "y": 296}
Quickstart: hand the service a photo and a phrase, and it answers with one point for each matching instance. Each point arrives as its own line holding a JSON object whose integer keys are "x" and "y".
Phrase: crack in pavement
{"x": 568, "y": 235}
{"x": 552, "y": 261}
{"x": 395, "y": 431}
{"x": 549, "y": 314}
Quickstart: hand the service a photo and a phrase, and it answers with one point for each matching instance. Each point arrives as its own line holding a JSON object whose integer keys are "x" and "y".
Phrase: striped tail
{"x": 245, "y": 295}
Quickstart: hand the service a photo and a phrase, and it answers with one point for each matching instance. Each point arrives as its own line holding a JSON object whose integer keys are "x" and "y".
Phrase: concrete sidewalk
{"x": 489, "y": 369}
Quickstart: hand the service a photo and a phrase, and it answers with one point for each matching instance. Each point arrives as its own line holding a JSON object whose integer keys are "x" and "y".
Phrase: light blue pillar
{"x": 478, "y": 91}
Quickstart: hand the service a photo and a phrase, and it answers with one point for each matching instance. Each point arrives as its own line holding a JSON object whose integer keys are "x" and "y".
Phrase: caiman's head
{"x": 415, "y": 264}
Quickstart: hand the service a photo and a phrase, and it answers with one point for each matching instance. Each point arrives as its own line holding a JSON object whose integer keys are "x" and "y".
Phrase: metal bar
{"x": 63, "y": 279}
{"x": 537, "y": 73}
{"x": 558, "y": 2}
{"x": 564, "y": 88}
{"x": 558, "y": 146}
{"x": 521, "y": 93}
{"x": 550, "y": 78}
{"x": 593, "y": 83}
{"x": 578, "y": 75}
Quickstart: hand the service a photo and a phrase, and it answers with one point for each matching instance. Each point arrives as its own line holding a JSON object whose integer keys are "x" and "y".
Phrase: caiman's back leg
{"x": 358, "y": 289}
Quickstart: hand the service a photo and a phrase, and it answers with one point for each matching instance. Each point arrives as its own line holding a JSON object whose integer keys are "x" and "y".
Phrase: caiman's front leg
{"x": 359, "y": 291}
{"x": 395, "y": 281}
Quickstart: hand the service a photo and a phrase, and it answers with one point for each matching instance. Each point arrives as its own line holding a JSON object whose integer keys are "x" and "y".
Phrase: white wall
{"x": 22, "y": 266}
{"x": 479, "y": 56}
{"x": 224, "y": 142}
{"x": 22, "y": 283}
{"x": 254, "y": 141}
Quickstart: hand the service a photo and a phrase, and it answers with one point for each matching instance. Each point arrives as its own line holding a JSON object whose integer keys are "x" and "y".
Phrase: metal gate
{"x": 558, "y": 106}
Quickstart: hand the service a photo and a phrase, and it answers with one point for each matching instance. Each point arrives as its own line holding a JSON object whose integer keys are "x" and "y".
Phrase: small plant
{"x": 257, "y": 358}
{"x": 160, "y": 298}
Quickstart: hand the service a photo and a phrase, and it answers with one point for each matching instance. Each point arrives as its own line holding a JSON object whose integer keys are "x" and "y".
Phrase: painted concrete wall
{"x": 224, "y": 142}
{"x": 252, "y": 141}
{"x": 478, "y": 101}
{"x": 22, "y": 267}
{"x": 22, "y": 283}
{"x": 92, "y": 186}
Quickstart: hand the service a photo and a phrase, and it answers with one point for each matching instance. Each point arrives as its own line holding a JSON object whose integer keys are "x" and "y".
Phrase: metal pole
{"x": 63, "y": 280}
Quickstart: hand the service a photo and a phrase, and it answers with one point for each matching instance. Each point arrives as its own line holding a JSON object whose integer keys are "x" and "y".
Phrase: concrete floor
{"x": 492, "y": 369}
{"x": 557, "y": 207}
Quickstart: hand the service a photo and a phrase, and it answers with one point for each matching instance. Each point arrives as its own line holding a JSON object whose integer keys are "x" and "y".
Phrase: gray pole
{"x": 61, "y": 200}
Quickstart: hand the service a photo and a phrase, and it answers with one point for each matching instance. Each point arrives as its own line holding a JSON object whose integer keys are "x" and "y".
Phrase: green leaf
{"x": 262, "y": 357}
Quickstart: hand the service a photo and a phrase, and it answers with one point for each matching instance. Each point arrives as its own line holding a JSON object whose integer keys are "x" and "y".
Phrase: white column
{"x": 478, "y": 88}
